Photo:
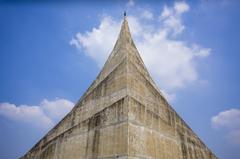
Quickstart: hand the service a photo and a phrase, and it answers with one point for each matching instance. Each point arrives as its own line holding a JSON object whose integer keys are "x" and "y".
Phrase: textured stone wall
{"x": 122, "y": 115}
{"x": 155, "y": 129}
{"x": 103, "y": 135}
{"x": 97, "y": 125}
{"x": 153, "y": 136}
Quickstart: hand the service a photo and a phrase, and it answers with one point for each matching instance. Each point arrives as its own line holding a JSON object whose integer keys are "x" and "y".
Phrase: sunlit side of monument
{"x": 123, "y": 115}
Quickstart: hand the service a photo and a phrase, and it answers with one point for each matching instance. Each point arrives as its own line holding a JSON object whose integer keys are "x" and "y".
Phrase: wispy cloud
{"x": 130, "y": 3}
{"x": 97, "y": 44}
{"x": 44, "y": 115}
{"x": 147, "y": 14}
{"x": 171, "y": 17}
{"x": 172, "y": 62}
{"x": 229, "y": 120}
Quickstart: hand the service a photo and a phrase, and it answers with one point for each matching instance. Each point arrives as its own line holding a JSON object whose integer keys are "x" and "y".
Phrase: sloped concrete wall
{"x": 97, "y": 125}
{"x": 102, "y": 136}
{"x": 121, "y": 115}
{"x": 155, "y": 129}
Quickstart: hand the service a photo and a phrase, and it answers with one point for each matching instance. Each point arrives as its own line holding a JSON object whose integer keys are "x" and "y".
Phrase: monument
{"x": 122, "y": 115}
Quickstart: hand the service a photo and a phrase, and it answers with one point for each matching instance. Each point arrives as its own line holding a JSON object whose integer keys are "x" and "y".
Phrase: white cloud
{"x": 229, "y": 120}
{"x": 199, "y": 52}
{"x": 181, "y": 7}
{"x": 98, "y": 43}
{"x": 171, "y": 62}
{"x": 28, "y": 114}
{"x": 166, "y": 12}
{"x": 56, "y": 109}
{"x": 171, "y": 17}
{"x": 44, "y": 115}
{"x": 147, "y": 14}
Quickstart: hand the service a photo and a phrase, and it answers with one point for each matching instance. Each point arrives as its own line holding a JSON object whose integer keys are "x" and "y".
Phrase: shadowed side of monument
{"x": 121, "y": 115}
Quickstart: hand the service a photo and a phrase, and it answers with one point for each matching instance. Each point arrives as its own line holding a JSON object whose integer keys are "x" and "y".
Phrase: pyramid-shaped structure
{"x": 121, "y": 115}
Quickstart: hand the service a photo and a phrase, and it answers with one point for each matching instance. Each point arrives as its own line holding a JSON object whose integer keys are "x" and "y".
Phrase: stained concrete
{"x": 122, "y": 115}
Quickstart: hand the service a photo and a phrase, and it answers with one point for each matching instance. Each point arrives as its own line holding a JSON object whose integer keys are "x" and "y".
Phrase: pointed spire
{"x": 125, "y": 14}
{"x": 124, "y": 50}
{"x": 125, "y": 33}
{"x": 124, "y": 37}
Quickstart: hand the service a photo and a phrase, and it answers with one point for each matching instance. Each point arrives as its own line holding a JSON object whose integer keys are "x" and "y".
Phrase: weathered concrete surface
{"x": 122, "y": 115}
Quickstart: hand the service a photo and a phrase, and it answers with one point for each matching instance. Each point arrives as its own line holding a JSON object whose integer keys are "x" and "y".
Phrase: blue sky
{"x": 50, "y": 53}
